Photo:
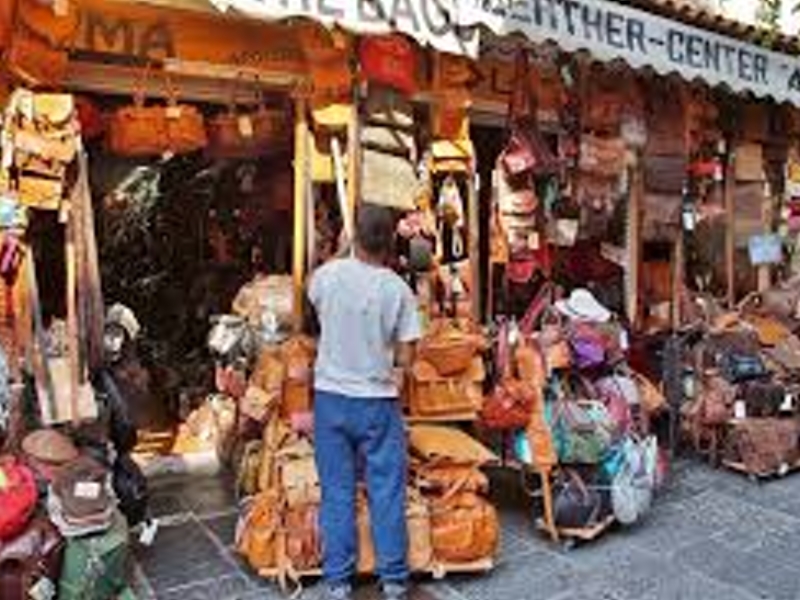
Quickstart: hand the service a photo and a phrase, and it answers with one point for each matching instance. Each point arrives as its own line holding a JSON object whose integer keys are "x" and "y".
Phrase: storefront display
{"x": 556, "y": 219}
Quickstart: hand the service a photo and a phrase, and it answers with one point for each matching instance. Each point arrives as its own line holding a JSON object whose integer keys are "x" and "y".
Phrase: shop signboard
{"x": 605, "y": 28}
{"x": 429, "y": 22}
{"x": 612, "y": 31}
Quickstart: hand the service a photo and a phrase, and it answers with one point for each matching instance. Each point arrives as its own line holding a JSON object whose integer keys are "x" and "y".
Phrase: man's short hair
{"x": 375, "y": 226}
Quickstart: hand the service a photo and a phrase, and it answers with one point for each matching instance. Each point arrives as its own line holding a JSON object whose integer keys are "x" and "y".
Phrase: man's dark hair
{"x": 375, "y": 227}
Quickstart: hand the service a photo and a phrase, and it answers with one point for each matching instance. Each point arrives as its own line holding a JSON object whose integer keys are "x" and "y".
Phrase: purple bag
{"x": 589, "y": 345}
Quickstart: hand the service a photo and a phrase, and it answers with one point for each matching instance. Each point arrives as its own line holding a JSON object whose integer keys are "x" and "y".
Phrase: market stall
{"x": 560, "y": 214}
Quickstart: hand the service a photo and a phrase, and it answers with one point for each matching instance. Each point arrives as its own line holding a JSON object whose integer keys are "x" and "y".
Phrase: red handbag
{"x": 17, "y": 497}
{"x": 510, "y": 406}
{"x": 389, "y": 60}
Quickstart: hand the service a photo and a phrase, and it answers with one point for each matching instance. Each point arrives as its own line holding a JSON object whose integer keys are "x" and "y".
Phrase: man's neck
{"x": 368, "y": 258}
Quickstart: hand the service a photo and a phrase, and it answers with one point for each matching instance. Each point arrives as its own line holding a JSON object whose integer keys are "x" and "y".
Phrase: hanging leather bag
{"x": 238, "y": 133}
{"x": 139, "y": 130}
{"x": 525, "y": 150}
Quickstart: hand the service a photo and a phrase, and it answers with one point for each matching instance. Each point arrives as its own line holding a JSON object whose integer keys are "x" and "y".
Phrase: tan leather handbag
{"x": 259, "y": 531}
{"x": 298, "y": 359}
{"x": 464, "y": 528}
{"x": 238, "y": 133}
{"x": 139, "y": 130}
{"x": 434, "y": 394}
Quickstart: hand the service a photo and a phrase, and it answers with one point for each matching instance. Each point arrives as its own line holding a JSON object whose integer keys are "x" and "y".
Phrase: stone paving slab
{"x": 711, "y": 535}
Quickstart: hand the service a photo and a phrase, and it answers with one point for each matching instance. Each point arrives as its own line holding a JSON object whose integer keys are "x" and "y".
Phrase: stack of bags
{"x": 81, "y": 501}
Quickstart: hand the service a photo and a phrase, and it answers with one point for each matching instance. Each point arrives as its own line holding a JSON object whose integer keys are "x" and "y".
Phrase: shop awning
{"x": 606, "y": 29}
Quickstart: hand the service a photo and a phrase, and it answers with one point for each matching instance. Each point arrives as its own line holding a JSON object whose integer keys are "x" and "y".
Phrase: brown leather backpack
{"x": 464, "y": 527}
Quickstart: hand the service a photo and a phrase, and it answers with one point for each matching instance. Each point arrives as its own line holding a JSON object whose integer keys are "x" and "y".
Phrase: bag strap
{"x": 537, "y": 308}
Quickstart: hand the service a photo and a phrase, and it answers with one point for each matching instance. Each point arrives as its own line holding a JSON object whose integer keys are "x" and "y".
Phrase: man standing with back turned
{"x": 369, "y": 322}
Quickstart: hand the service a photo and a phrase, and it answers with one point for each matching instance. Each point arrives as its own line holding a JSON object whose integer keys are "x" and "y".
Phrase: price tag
{"x": 173, "y": 112}
{"x": 245, "y": 126}
{"x": 149, "y": 532}
{"x": 88, "y": 490}
{"x": 44, "y": 589}
{"x": 739, "y": 409}
{"x": 533, "y": 240}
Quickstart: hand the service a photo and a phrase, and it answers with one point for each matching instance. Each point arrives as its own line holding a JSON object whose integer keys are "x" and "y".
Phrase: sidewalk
{"x": 713, "y": 535}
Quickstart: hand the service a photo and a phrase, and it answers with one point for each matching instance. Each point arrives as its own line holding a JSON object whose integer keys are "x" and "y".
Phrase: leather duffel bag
{"x": 464, "y": 528}
{"x": 432, "y": 394}
{"x": 31, "y": 561}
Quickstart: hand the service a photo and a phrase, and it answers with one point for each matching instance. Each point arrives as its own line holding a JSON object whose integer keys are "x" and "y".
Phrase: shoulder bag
{"x": 139, "y": 130}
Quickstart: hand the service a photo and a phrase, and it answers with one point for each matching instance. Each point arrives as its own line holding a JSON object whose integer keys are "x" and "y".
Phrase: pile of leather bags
{"x": 76, "y": 546}
{"x": 450, "y": 521}
{"x": 748, "y": 376}
{"x": 447, "y": 376}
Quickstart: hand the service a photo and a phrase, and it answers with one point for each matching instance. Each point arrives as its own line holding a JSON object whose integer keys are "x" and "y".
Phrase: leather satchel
{"x": 240, "y": 134}
{"x": 32, "y": 557}
{"x": 464, "y": 527}
{"x": 139, "y": 130}
{"x": 716, "y": 401}
{"x": 434, "y": 394}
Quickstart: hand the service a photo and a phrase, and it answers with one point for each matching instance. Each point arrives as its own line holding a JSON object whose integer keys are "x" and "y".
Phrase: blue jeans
{"x": 348, "y": 431}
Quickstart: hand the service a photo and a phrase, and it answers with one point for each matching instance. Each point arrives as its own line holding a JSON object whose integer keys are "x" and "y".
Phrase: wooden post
{"x": 300, "y": 190}
{"x": 634, "y": 240}
{"x": 730, "y": 230}
{"x": 764, "y": 271}
{"x": 353, "y": 163}
{"x": 474, "y": 247}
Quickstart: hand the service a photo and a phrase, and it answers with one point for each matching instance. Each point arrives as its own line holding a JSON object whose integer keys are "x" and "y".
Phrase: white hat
{"x": 124, "y": 317}
{"x": 583, "y": 306}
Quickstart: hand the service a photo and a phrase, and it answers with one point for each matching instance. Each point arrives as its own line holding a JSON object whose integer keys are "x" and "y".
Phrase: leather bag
{"x": 18, "y": 496}
{"x": 298, "y": 358}
{"x": 575, "y": 504}
{"x": 716, "y": 401}
{"x": 464, "y": 527}
{"x": 389, "y": 60}
{"x": 434, "y": 394}
{"x": 259, "y": 530}
{"x": 138, "y": 130}
{"x": 604, "y": 157}
{"x": 236, "y": 133}
{"x": 418, "y": 522}
{"x": 449, "y": 348}
{"x": 302, "y": 536}
{"x": 509, "y": 406}
{"x": 763, "y": 445}
{"x": 30, "y": 558}
{"x": 34, "y": 61}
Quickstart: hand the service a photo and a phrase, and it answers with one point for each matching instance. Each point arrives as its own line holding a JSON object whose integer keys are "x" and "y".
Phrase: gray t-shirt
{"x": 363, "y": 310}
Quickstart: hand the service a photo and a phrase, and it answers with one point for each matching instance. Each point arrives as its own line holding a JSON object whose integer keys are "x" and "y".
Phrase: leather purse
{"x": 716, "y": 401}
{"x": 510, "y": 405}
{"x": 18, "y": 496}
{"x": 389, "y": 60}
{"x": 575, "y": 504}
{"x": 763, "y": 445}
{"x": 243, "y": 134}
{"x": 139, "y": 130}
{"x": 449, "y": 348}
{"x": 30, "y": 558}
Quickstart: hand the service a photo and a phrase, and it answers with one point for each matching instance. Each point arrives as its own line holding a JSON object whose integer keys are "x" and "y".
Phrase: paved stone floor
{"x": 712, "y": 535}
